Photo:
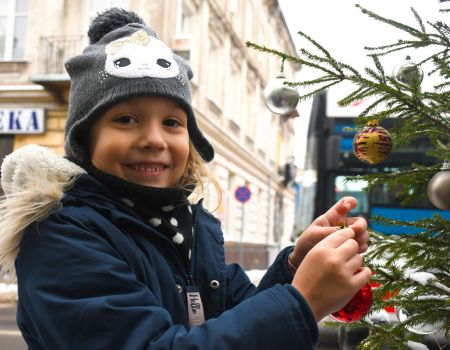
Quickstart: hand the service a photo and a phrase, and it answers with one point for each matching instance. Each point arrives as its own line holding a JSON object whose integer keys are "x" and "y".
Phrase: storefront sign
{"x": 21, "y": 120}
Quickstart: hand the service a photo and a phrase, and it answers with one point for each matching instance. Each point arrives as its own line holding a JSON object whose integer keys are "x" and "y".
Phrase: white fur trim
{"x": 26, "y": 167}
{"x": 34, "y": 180}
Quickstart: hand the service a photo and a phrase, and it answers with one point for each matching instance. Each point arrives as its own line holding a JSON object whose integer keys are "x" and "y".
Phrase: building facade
{"x": 253, "y": 146}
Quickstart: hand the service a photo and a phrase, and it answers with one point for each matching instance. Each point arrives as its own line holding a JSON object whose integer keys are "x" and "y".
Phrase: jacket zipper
{"x": 190, "y": 275}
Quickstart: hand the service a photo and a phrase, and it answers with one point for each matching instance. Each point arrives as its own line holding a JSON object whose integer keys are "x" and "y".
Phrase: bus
{"x": 329, "y": 160}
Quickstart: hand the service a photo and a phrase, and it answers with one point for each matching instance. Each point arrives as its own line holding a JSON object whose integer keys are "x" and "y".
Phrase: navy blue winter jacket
{"x": 94, "y": 275}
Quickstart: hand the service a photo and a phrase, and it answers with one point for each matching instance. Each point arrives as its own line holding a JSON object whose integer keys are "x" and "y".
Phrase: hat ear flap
{"x": 189, "y": 72}
{"x": 184, "y": 66}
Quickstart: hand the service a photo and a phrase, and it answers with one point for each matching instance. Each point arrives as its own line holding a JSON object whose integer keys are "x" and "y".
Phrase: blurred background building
{"x": 254, "y": 148}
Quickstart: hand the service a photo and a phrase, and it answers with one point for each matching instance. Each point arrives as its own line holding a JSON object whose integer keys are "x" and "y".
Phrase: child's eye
{"x": 126, "y": 119}
{"x": 172, "y": 122}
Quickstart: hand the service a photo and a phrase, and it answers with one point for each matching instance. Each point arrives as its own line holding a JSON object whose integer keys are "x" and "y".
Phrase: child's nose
{"x": 152, "y": 137}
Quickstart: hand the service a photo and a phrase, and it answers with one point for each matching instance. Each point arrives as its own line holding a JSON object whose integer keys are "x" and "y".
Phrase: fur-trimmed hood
{"x": 34, "y": 180}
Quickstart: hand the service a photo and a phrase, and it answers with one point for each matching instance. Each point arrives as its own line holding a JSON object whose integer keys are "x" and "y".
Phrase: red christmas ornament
{"x": 357, "y": 307}
{"x": 391, "y": 308}
{"x": 372, "y": 144}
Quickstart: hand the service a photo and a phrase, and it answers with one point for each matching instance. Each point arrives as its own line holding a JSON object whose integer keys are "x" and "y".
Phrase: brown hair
{"x": 196, "y": 174}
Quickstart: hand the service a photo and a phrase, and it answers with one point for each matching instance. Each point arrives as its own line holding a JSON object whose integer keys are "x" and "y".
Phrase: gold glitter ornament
{"x": 372, "y": 144}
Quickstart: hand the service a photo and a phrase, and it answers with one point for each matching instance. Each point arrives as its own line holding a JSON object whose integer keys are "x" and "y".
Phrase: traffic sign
{"x": 242, "y": 194}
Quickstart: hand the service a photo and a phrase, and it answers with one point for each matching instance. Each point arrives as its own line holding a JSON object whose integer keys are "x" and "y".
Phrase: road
{"x": 10, "y": 338}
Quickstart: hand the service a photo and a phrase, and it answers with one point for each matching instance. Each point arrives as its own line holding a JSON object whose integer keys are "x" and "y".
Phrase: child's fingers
{"x": 337, "y": 238}
{"x": 358, "y": 224}
{"x": 362, "y": 240}
{"x": 323, "y": 231}
{"x": 343, "y": 206}
{"x": 355, "y": 262}
{"x": 362, "y": 277}
{"x": 340, "y": 210}
{"x": 349, "y": 249}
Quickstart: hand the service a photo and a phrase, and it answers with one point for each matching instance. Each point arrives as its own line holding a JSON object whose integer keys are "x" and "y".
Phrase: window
{"x": 234, "y": 6}
{"x": 185, "y": 19}
{"x": 235, "y": 10}
{"x": 184, "y": 37}
{"x": 234, "y": 94}
{"x": 215, "y": 71}
{"x": 250, "y": 113}
{"x": 13, "y": 26}
{"x": 263, "y": 119}
{"x": 344, "y": 188}
{"x": 249, "y": 22}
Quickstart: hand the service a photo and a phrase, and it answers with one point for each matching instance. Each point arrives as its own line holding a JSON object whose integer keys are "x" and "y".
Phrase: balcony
{"x": 53, "y": 53}
{"x": 55, "y": 50}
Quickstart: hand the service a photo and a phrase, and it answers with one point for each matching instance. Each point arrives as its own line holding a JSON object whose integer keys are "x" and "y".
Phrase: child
{"x": 108, "y": 251}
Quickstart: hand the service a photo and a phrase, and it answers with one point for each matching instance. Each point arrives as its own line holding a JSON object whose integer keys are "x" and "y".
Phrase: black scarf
{"x": 166, "y": 209}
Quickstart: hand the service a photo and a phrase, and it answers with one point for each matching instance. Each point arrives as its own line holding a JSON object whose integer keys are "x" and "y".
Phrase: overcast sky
{"x": 344, "y": 30}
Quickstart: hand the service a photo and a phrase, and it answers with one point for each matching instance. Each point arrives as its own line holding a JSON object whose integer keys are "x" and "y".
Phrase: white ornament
{"x": 280, "y": 98}
{"x": 439, "y": 188}
{"x": 408, "y": 72}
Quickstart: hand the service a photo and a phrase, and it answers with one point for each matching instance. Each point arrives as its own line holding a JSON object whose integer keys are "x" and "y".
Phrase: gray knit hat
{"x": 125, "y": 59}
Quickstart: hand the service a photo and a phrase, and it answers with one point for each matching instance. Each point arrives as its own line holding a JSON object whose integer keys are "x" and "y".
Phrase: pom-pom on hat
{"x": 125, "y": 59}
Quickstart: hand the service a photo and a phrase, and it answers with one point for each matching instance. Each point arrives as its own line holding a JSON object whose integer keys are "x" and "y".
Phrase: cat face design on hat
{"x": 140, "y": 55}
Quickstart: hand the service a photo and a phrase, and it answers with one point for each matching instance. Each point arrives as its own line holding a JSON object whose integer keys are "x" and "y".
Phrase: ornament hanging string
{"x": 282, "y": 65}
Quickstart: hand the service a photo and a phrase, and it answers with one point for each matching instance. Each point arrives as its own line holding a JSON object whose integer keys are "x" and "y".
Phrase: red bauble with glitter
{"x": 357, "y": 307}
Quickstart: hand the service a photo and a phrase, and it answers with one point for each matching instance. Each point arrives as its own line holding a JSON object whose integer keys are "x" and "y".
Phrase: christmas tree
{"x": 411, "y": 271}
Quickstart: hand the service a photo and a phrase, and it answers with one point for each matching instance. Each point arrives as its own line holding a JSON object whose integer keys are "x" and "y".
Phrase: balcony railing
{"x": 55, "y": 50}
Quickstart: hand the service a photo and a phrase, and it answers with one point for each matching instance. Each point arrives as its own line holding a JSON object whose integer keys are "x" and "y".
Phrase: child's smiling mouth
{"x": 148, "y": 169}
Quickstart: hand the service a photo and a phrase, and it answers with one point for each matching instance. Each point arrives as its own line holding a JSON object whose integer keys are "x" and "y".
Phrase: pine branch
{"x": 391, "y": 22}
{"x": 419, "y": 20}
{"x": 288, "y": 57}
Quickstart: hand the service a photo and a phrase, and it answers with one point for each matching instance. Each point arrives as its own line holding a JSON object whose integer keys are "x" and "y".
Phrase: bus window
{"x": 386, "y": 196}
{"x": 355, "y": 189}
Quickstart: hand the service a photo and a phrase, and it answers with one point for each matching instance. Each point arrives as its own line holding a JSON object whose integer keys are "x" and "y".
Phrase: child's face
{"x": 143, "y": 140}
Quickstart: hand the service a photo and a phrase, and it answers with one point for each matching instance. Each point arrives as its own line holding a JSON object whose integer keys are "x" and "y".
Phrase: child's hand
{"x": 331, "y": 273}
{"x": 334, "y": 219}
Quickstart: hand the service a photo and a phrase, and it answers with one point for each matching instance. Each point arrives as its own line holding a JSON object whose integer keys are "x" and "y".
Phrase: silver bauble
{"x": 407, "y": 72}
{"x": 421, "y": 328}
{"x": 439, "y": 188}
{"x": 280, "y": 98}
